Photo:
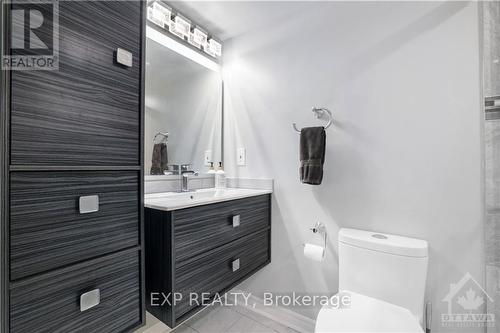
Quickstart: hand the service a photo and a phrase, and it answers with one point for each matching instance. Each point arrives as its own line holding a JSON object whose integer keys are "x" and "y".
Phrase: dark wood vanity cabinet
{"x": 203, "y": 249}
{"x": 72, "y": 178}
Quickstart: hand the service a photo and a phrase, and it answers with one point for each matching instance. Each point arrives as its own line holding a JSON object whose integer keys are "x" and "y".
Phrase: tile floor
{"x": 219, "y": 319}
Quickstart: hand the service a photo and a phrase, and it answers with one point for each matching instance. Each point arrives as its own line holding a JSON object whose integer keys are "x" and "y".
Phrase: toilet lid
{"x": 366, "y": 314}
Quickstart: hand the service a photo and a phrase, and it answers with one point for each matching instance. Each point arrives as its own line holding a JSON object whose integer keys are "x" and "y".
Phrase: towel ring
{"x": 319, "y": 113}
{"x": 164, "y": 134}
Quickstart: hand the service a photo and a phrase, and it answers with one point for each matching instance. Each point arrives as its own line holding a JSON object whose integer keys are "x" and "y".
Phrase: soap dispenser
{"x": 211, "y": 169}
{"x": 220, "y": 177}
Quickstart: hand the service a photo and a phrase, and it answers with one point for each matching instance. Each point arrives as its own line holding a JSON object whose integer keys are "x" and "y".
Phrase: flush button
{"x": 379, "y": 236}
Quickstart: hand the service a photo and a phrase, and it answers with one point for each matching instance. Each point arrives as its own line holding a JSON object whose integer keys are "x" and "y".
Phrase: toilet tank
{"x": 387, "y": 267}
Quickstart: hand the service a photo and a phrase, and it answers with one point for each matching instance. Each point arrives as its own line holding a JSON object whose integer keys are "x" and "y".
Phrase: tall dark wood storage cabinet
{"x": 72, "y": 176}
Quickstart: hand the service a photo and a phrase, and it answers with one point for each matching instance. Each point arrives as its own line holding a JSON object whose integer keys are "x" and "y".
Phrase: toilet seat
{"x": 366, "y": 314}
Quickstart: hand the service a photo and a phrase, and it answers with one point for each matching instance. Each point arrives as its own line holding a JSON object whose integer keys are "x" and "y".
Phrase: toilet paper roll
{"x": 314, "y": 252}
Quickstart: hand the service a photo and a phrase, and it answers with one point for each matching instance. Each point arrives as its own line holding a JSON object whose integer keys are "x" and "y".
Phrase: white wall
{"x": 404, "y": 155}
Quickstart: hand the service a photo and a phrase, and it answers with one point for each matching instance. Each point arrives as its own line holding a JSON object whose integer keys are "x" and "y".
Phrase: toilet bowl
{"x": 366, "y": 314}
{"x": 384, "y": 275}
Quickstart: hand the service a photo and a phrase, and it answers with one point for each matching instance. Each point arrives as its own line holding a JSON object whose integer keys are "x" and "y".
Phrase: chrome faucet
{"x": 185, "y": 180}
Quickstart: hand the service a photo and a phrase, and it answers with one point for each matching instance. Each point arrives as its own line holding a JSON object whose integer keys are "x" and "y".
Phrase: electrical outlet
{"x": 241, "y": 156}
{"x": 208, "y": 157}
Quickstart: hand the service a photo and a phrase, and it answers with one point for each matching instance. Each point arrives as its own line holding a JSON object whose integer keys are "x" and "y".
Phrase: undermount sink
{"x": 178, "y": 200}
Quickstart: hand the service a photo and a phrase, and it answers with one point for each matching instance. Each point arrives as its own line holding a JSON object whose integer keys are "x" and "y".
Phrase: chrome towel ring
{"x": 165, "y": 137}
{"x": 319, "y": 113}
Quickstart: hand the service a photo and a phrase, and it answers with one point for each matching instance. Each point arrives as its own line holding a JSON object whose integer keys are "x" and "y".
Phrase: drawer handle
{"x": 236, "y": 265}
{"x": 236, "y": 221}
{"x": 90, "y": 299}
{"x": 124, "y": 57}
{"x": 89, "y": 204}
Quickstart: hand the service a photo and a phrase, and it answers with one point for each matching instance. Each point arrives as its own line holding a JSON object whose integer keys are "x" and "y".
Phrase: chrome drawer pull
{"x": 90, "y": 299}
{"x": 236, "y": 221}
{"x": 236, "y": 265}
{"x": 89, "y": 204}
{"x": 124, "y": 57}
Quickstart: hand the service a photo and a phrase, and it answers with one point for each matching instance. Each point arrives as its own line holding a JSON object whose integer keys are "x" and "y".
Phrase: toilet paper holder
{"x": 319, "y": 228}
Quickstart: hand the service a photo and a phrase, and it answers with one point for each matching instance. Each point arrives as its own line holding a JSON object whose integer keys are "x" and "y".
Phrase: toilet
{"x": 385, "y": 278}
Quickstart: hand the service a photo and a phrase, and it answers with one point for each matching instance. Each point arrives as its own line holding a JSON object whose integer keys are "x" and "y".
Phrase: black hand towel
{"x": 164, "y": 157}
{"x": 156, "y": 168}
{"x": 312, "y": 154}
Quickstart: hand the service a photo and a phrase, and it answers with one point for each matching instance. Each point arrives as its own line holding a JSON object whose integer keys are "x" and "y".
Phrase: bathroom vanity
{"x": 206, "y": 242}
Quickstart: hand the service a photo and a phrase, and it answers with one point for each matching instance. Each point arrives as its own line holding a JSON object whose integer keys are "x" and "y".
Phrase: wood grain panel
{"x": 46, "y": 229}
{"x": 199, "y": 229}
{"x": 212, "y": 272}
{"x": 88, "y": 111}
{"x": 50, "y": 302}
{"x": 159, "y": 257}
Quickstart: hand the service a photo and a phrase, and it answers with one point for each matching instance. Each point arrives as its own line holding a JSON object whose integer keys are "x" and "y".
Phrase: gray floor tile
{"x": 263, "y": 320}
{"x": 216, "y": 320}
{"x": 219, "y": 319}
{"x": 247, "y": 325}
{"x": 184, "y": 329}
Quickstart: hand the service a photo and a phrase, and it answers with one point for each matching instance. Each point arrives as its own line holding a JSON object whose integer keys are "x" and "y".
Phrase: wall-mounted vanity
{"x": 203, "y": 249}
{"x": 199, "y": 239}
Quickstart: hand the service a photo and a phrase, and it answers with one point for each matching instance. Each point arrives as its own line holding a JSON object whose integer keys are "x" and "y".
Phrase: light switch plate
{"x": 124, "y": 57}
{"x": 241, "y": 156}
{"x": 208, "y": 157}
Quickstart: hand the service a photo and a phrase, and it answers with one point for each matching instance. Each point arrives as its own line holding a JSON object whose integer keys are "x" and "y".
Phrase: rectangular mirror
{"x": 183, "y": 113}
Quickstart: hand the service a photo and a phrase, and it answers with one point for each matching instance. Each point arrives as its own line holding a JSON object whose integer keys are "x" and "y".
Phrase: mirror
{"x": 183, "y": 102}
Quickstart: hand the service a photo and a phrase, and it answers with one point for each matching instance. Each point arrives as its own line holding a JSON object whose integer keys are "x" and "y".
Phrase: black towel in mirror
{"x": 159, "y": 159}
{"x": 164, "y": 157}
{"x": 312, "y": 154}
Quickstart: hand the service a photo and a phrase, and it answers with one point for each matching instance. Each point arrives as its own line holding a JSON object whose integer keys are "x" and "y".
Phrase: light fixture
{"x": 182, "y": 26}
{"x": 159, "y": 15}
{"x": 198, "y": 37}
{"x": 213, "y": 47}
{"x": 184, "y": 50}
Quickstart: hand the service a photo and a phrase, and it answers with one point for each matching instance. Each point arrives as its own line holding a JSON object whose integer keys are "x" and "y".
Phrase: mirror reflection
{"x": 183, "y": 116}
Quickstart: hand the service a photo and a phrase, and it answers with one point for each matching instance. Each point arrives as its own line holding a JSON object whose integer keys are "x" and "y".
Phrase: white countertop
{"x": 178, "y": 200}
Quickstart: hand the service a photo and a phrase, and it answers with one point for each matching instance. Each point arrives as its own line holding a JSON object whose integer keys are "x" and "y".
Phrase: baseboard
{"x": 282, "y": 315}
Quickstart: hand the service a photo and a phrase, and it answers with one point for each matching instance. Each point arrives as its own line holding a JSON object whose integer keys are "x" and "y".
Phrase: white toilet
{"x": 385, "y": 276}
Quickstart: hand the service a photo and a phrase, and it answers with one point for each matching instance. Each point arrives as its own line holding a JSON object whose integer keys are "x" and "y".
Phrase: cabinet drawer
{"x": 88, "y": 111}
{"x": 202, "y": 228}
{"x": 50, "y": 302}
{"x": 220, "y": 268}
{"x": 47, "y": 229}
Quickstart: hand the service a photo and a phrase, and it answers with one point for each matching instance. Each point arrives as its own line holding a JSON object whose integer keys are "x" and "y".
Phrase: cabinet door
{"x": 96, "y": 296}
{"x": 50, "y": 228}
{"x": 219, "y": 269}
{"x": 88, "y": 111}
{"x": 200, "y": 229}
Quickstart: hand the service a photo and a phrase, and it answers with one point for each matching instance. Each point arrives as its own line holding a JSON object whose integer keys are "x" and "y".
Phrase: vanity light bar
{"x": 181, "y": 27}
{"x": 175, "y": 45}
